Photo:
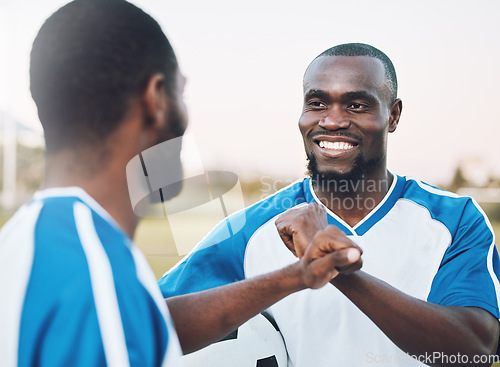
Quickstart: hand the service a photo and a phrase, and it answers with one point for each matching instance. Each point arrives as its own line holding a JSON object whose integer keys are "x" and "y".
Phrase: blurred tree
{"x": 30, "y": 165}
{"x": 458, "y": 181}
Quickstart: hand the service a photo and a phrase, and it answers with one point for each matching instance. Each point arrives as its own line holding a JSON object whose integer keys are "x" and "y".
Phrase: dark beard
{"x": 167, "y": 158}
{"x": 327, "y": 179}
{"x": 175, "y": 118}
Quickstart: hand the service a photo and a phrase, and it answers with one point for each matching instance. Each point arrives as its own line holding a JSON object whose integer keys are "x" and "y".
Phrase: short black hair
{"x": 362, "y": 49}
{"x": 88, "y": 60}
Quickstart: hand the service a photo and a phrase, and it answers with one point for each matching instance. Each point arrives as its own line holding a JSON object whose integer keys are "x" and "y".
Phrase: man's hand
{"x": 298, "y": 226}
{"x": 324, "y": 251}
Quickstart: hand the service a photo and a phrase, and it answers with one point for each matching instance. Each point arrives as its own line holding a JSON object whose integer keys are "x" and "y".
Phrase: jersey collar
{"x": 78, "y": 192}
{"x": 367, "y": 222}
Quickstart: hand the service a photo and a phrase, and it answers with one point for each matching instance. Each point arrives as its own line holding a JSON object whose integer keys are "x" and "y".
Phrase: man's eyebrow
{"x": 322, "y": 94}
{"x": 316, "y": 93}
{"x": 360, "y": 95}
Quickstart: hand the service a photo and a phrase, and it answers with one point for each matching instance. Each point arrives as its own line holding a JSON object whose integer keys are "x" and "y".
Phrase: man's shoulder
{"x": 40, "y": 252}
{"x": 53, "y": 232}
{"x": 67, "y": 257}
{"x": 428, "y": 195}
{"x": 240, "y": 226}
{"x": 289, "y": 196}
{"x": 68, "y": 202}
{"x": 254, "y": 216}
{"x": 48, "y": 221}
{"x": 451, "y": 209}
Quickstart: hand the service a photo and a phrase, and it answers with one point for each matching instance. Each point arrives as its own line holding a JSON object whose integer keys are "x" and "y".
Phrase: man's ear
{"x": 396, "y": 109}
{"x": 155, "y": 101}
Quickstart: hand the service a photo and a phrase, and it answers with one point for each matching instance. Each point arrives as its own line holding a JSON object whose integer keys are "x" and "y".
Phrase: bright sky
{"x": 244, "y": 62}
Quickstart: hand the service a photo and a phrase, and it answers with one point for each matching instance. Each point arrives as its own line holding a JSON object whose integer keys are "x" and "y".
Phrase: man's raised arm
{"x": 204, "y": 317}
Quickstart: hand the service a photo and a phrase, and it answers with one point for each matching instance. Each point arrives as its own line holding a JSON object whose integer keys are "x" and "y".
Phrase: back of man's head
{"x": 362, "y": 49}
{"x": 88, "y": 60}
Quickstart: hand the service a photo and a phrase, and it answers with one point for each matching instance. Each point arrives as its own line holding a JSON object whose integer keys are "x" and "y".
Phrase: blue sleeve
{"x": 68, "y": 335}
{"x": 59, "y": 325}
{"x": 216, "y": 261}
{"x": 469, "y": 272}
{"x": 144, "y": 327}
{"x": 218, "y": 258}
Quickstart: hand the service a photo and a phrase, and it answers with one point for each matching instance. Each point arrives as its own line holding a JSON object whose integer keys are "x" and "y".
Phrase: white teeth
{"x": 337, "y": 145}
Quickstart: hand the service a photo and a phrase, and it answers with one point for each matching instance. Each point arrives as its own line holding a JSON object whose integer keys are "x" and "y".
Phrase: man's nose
{"x": 335, "y": 119}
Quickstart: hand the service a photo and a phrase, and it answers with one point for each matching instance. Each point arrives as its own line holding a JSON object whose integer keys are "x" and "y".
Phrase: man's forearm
{"x": 419, "y": 327}
{"x": 204, "y": 317}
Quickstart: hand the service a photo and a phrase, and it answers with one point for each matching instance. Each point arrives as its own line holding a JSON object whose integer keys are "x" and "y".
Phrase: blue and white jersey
{"x": 428, "y": 243}
{"x": 76, "y": 291}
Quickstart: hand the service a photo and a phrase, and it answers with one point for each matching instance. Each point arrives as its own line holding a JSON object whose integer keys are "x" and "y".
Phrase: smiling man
{"x": 345, "y": 122}
{"x": 428, "y": 288}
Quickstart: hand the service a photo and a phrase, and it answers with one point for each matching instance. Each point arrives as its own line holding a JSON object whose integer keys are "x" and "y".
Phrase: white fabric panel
{"x": 406, "y": 259}
{"x": 148, "y": 280}
{"x": 103, "y": 289}
{"x": 16, "y": 259}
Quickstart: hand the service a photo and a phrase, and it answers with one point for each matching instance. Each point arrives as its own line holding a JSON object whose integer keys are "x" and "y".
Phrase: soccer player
{"x": 75, "y": 290}
{"x": 429, "y": 285}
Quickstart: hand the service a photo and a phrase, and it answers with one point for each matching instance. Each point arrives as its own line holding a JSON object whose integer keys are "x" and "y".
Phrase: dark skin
{"x": 101, "y": 172}
{"x": 227, "y": 307}
{"x": 351, "y": 106}
{"x": 417, "y": 327}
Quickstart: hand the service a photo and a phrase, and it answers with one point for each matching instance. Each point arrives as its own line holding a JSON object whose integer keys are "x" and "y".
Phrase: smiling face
{"x": 346, "y": 117}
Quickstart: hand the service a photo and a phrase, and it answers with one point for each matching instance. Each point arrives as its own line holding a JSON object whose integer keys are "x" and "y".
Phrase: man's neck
{"x": 104, "y": 182}
{"x": 353, "y": 200}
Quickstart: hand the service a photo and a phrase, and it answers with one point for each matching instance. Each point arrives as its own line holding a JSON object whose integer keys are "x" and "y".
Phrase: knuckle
{"x": 313, "y": 207}
{"x": 319, "y": 237}
{"x": 333, "y": 229}
{"x": 301, "y": 219}
{"x": 322, "y": 235}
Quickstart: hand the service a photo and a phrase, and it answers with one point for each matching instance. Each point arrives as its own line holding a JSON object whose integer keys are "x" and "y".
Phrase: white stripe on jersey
{"x": 103, "y": 289}
{"x": 433, "y": 190}
{"x": 16, "y": 258}
{"x": 148, "y": 281}
{"x": 492, "y": 272}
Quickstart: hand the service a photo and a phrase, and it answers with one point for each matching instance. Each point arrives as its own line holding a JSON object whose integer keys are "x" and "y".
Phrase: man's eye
{"x": 316, "y": 104}
{"x": 357, "y": 107}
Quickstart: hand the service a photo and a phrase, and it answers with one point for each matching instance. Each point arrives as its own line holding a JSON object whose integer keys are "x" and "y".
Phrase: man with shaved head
{"x": 428, "y": 290}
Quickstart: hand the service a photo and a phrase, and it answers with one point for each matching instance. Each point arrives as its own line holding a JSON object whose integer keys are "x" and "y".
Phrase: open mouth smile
{"x": 333, "y": 146}
{"x": 336, "y": 145}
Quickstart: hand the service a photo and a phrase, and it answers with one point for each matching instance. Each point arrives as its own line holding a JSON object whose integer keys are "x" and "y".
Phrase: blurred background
{"x": 244, "y": 62}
